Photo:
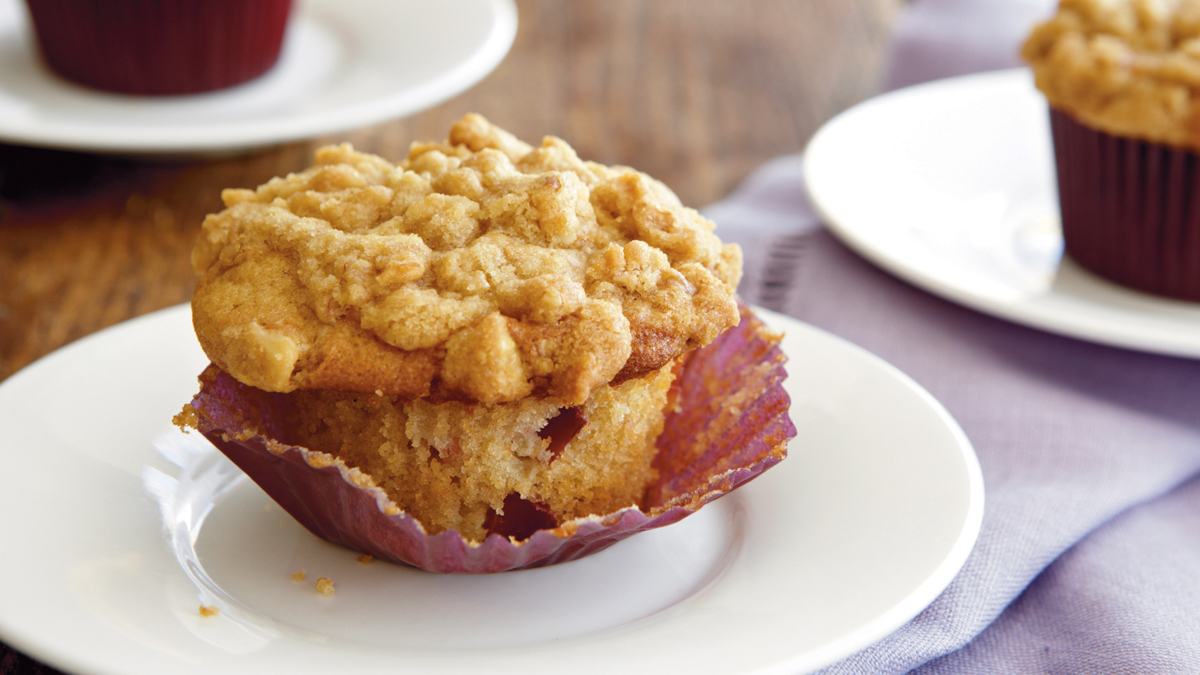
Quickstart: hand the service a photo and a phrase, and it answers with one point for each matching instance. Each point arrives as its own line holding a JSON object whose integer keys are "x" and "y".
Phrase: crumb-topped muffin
{"x": 1123, "y": 81}
{"x": 485, "y": 327}
{"x": 480, "y": 268}
{"x": 1125, "y": 67}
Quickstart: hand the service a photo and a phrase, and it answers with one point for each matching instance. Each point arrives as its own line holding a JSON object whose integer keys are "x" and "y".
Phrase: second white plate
{"x": 868, "y": 519}
{"x": 951, "y": 186}
{"x": 344, "y": 64}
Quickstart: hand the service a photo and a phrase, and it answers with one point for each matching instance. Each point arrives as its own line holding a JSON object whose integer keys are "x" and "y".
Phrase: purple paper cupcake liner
{"x": 1130, "y": 208}
{"x": 729, "y": 423}
{"x": 159, "y": 47}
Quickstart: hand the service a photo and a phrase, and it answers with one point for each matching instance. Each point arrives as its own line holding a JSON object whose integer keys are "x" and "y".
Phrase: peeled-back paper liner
{"x": 1130, "y": 208}
{"x": 729, "y": 424}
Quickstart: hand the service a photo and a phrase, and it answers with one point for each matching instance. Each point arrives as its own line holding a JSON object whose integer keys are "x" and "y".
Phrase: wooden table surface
{"x": 694, "y": 92}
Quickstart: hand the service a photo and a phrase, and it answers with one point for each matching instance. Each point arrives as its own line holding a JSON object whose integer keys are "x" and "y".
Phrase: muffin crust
{"x": 479, "y": 269}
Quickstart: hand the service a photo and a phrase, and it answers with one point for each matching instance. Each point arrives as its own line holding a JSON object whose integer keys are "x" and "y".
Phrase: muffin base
{"x": 492, "y": 468}
{"x": 726, "y": 423}
{"x": 1130, "y": 208}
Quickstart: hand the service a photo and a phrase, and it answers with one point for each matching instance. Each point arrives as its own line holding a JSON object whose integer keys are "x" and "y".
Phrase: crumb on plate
{"x": 325, "y": 586}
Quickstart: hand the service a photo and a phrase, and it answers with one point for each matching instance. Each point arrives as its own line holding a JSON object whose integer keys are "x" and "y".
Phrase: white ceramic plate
{"x": 951, "y": 186}
{"x": 868, "y": 519}
{"x": 345, "y": 64}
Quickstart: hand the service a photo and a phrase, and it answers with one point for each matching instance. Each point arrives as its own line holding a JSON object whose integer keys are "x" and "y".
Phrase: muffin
{"x": 159, "y": 47}
{"x": 486, "y": 339}
{"x": 1122, "y": 79}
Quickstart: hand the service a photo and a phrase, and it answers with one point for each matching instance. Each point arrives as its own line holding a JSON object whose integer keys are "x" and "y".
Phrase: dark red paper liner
{"x": 159, "y": 47}
{"x": 1130, "y": 208}
{"x": 731, "y": 424}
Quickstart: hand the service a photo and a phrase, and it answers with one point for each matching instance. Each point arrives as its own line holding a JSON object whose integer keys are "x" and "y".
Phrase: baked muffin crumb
{"x": 186, "y": 419}
{"x": 461, "y": 466}
{"x": 325, "y": 586}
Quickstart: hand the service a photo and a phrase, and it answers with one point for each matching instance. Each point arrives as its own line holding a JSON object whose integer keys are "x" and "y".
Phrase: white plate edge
{"x": 204, "y": 140}
{"x": 926, "y": 593}
{"x": 1120, "y": 327}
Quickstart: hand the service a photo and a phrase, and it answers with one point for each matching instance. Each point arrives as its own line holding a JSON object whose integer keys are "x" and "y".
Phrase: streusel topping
{"x": 479, "y": 268}
{"x": 1126, "y": 67}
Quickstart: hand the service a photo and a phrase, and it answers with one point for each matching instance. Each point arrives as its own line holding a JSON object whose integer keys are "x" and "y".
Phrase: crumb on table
{"x": 206, "y": 611}
{"x": 365, "y": 559}
{"x": 299, "y": 576}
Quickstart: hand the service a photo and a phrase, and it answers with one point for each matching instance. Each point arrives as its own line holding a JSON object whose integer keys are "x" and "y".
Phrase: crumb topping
{"x": 1126, "y": 67}
{"x": 480, "y": 268}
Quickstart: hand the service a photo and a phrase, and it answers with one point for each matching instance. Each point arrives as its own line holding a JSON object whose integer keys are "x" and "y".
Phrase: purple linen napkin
{"x": 1089, "y": 556}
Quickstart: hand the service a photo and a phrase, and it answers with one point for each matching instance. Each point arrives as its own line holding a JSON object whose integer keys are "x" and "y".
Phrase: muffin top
{"x": 479, "y": 269}
{"x": 1126, "y": 67}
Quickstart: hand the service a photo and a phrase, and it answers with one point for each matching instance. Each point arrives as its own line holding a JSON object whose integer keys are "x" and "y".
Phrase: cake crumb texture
{"x": 1125, "y": 67}
{"x": 478, "y": 269}
{"x": 457, "y": 465}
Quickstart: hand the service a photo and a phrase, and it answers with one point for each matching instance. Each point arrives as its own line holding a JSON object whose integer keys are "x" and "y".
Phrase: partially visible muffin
{"x": 485, "y": 330}
{"x": 159, "y": 47}
{"x": 1125, "y": 67}
{"x": 1123, "y": 81}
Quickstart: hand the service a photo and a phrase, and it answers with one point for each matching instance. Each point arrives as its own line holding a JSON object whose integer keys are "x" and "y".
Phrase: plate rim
{"x": 228, "y": 137}
{"x": 880, "y": 626}
{"x": 926, "y": 593}
{"x": 1118, "y": 326}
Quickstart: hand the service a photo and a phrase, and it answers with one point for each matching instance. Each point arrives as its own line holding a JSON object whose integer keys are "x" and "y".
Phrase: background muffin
{"x": 1122, "y": 79}
{"x": 159, "y": 47}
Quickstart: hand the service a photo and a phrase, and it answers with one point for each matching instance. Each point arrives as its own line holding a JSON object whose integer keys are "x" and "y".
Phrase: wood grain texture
{"x": 695, "y": 92}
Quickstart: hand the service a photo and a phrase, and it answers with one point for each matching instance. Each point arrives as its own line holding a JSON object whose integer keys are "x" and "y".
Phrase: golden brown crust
{"x": 1125, "y": 67}
{"x": 480, "y": 269}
